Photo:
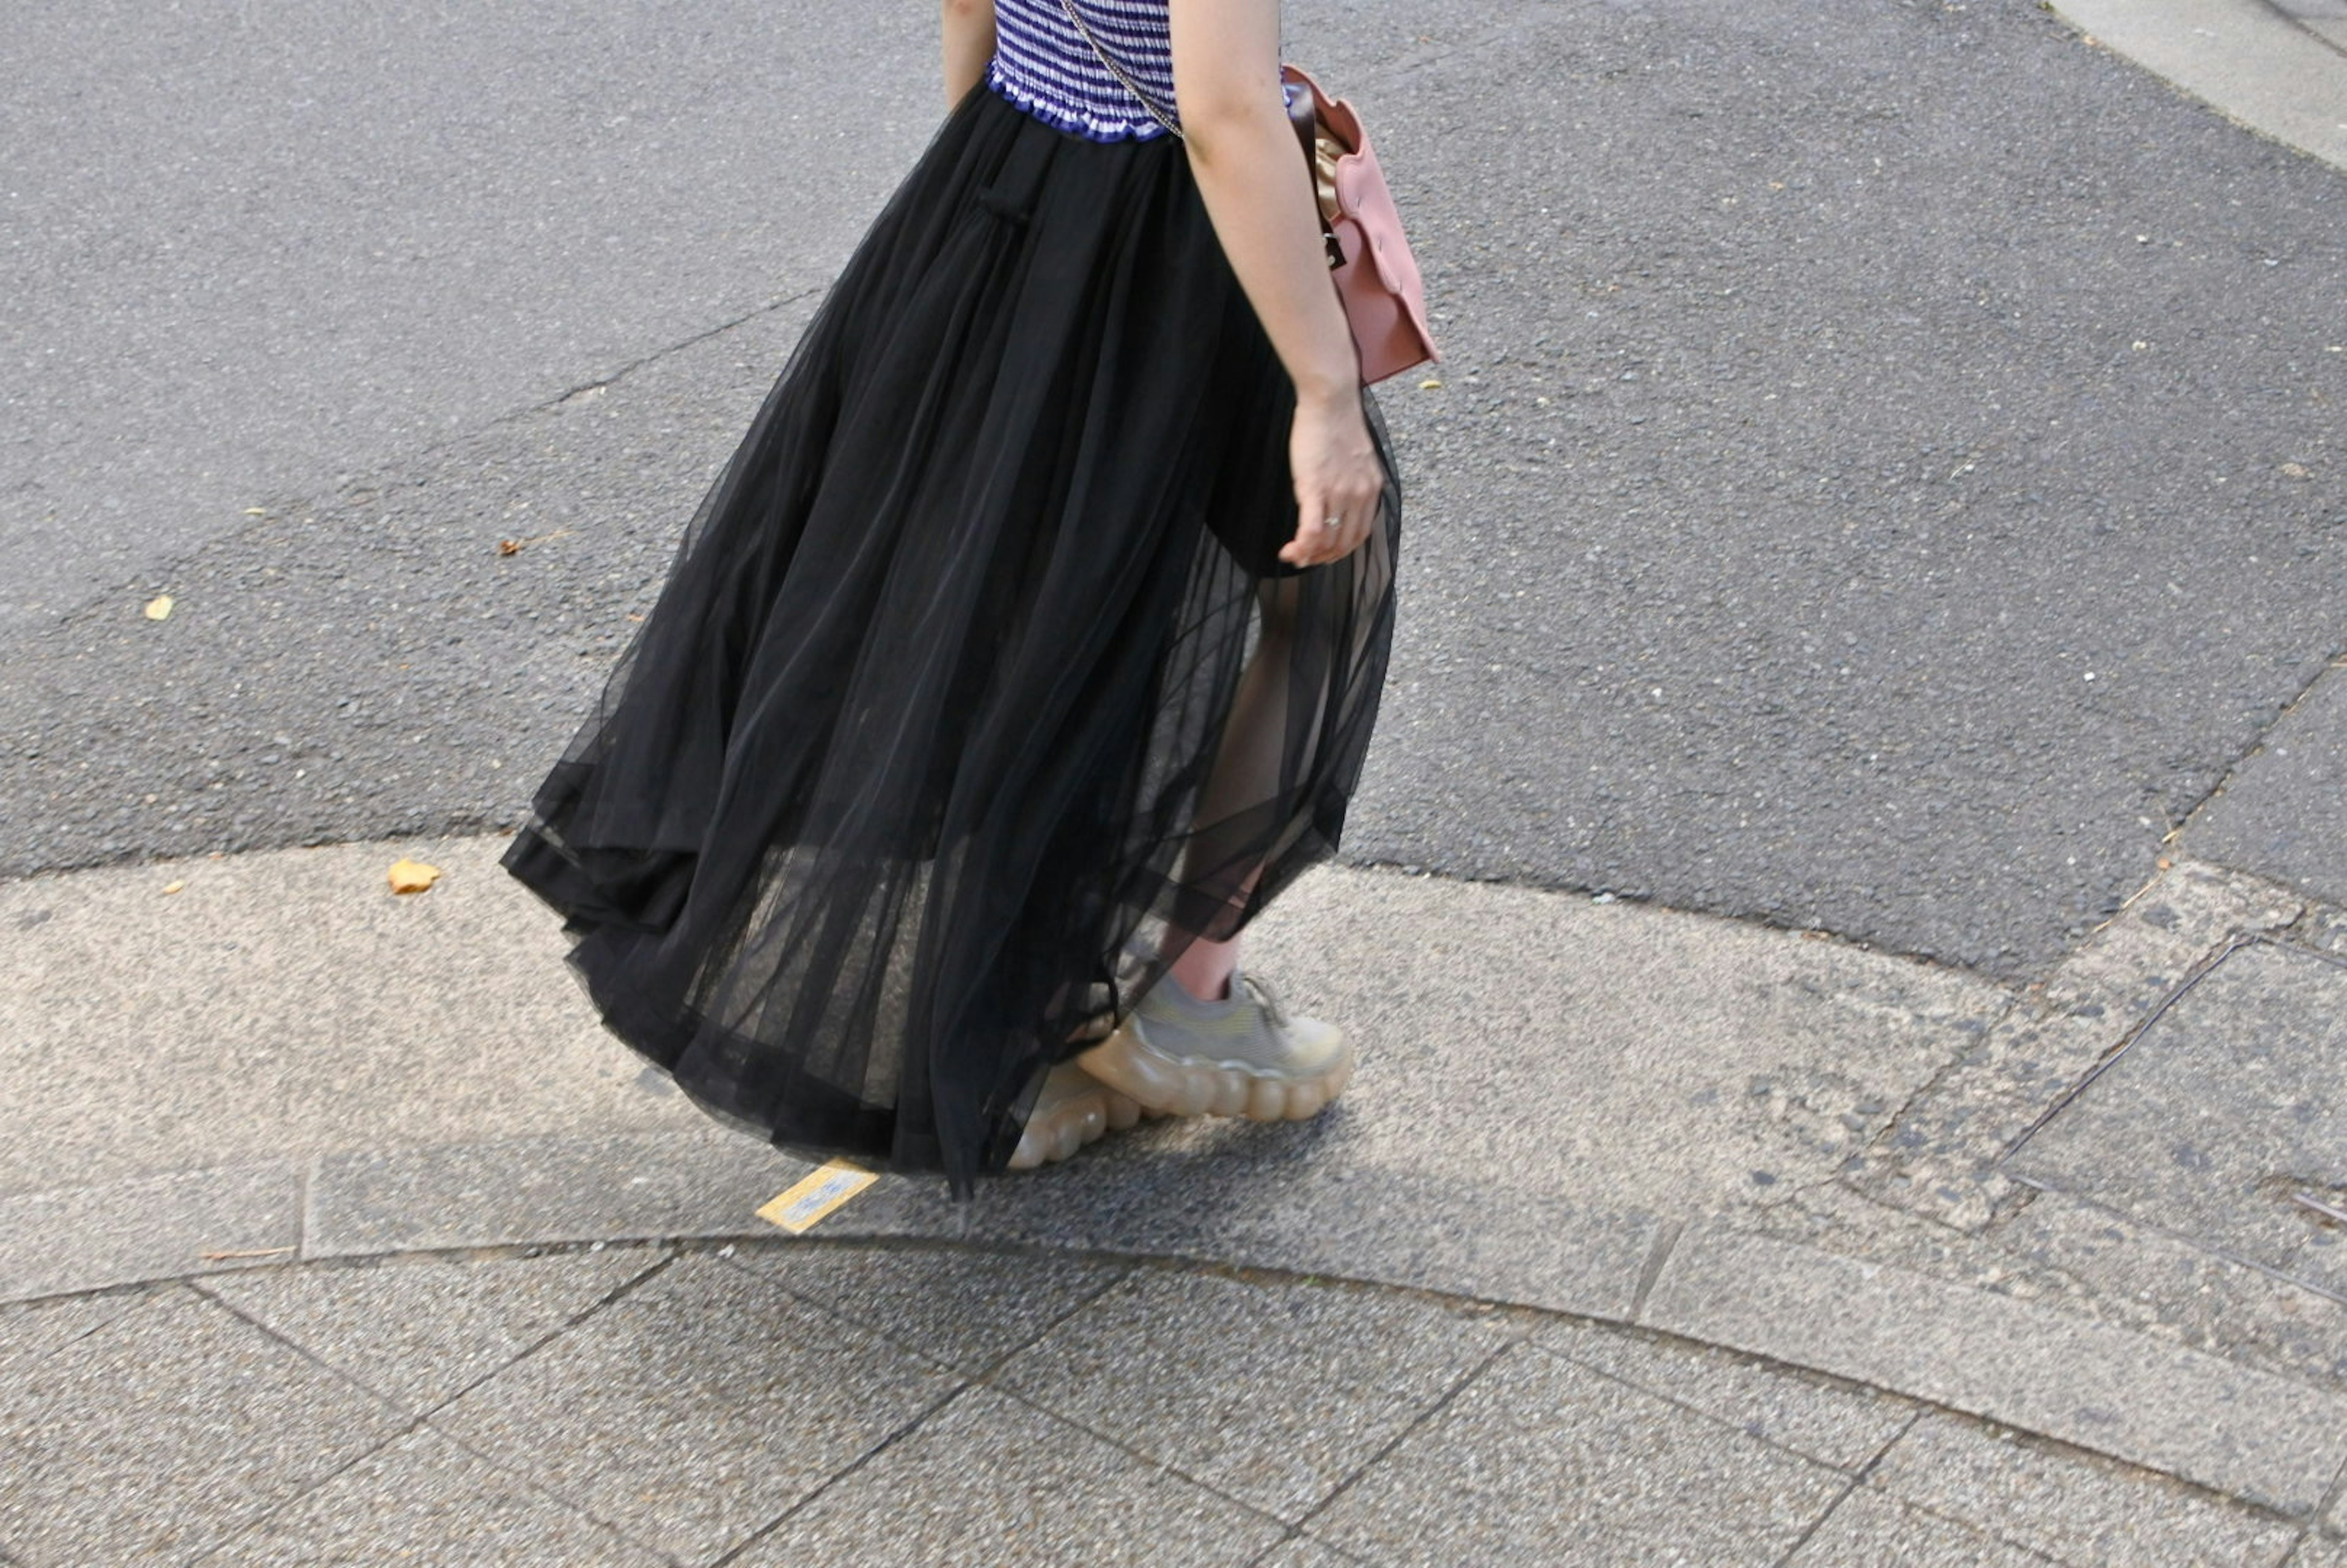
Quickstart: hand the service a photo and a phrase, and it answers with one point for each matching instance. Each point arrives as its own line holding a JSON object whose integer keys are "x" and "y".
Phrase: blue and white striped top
{"x": 1043, "y": 63}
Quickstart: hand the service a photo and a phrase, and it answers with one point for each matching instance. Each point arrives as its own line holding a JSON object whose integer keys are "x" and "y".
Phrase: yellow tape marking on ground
{"x": 824, "y": 1189}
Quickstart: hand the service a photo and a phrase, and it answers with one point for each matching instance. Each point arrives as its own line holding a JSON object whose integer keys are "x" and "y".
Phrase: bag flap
{"x": 1362, "y": 197}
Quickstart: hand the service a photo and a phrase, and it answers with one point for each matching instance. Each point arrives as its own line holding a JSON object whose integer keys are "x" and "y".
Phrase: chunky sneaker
{"x": 1073, "y": 1109}
{"x": 1241, "y": 1056}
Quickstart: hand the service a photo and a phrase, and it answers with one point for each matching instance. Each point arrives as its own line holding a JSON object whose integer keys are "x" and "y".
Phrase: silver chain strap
{"x": 1118, "y": 71}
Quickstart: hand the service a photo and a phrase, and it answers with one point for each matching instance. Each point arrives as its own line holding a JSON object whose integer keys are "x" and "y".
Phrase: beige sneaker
{"x": 1241, "y": 1056}
{"x": 1072, "y": 1109}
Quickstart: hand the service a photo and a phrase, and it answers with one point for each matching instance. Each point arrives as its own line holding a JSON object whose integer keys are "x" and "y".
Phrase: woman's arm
{"x": 1258, "y": 193}
{"x": 969, "y": 45}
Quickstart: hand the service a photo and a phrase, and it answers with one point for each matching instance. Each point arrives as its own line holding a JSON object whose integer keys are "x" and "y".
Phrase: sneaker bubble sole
{"x": 1176, "y": 1086}
{"x": 1080, "y": 1113}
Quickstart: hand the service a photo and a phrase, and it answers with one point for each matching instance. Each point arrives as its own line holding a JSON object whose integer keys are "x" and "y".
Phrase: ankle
{"x": 1204, "y": 976}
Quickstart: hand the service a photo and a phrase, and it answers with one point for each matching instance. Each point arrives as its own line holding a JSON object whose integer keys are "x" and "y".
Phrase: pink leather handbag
{"x": 1376, "y": 277}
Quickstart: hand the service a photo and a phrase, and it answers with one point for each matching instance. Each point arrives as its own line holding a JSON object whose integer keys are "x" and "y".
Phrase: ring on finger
{"x": 1333, "y": 520}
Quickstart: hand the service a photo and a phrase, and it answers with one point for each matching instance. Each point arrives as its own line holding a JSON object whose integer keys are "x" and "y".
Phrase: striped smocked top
{"x": 1043, "y": 63}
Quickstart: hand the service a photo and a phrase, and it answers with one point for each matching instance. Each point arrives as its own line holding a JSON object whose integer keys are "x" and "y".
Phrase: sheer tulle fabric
{"x": 901, "y": 790}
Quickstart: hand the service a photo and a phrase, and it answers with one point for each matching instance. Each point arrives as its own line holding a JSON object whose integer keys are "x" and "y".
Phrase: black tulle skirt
{"x": 976, "y": 688}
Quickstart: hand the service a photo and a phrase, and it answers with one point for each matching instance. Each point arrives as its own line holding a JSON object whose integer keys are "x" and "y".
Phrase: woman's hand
{"x": 1338, "y": 478}
{"x": 1258, "y": 189}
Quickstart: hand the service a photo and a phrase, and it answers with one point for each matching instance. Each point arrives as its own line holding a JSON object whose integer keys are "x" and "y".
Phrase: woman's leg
{"x": 1192, "y": 1046}
{"x": 1246, "y": 775}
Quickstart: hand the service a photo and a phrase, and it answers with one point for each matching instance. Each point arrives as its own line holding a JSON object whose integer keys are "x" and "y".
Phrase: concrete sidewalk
{"x": 333, "y": 1229}
{"x": 815, "y": 1403}
{"x": 1761, "y": 1275}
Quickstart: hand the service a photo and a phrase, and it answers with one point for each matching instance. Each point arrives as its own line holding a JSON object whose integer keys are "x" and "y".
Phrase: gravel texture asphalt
{"x": 1886, "y": 471}
{"x": 254, "y": 247}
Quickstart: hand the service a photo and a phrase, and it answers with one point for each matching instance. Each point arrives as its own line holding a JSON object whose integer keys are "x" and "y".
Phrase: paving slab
{"x": 1448, "y": 1232}
{"x": 966, "y": 1309}
{"x": 2075, "y": 1508}
{"x": 694, "y": 1411}
{"x": 1867, "y": 1531}
{"x": 154, "y": 1228}
{"x": 2317, "y": 1552}
{"x": 2282, "y": 813}
{"x": 1841, "y": 1425}
{"x": 420, "y": 1330}
{"x": 2168, "y": 1285}
{"x": 1163, "y": 1403}
{"x": 1939, "y": 1158}
{"x": 2175, "y": 923}
{"x": 2233, "y": 1428}
{"x": 291, "y": 1004}
{"x": 2224, "y": 1119}
{"x": 1540, "y": 1459}
{"x": 706, "y": 1182}
{"x": 1270, "y": 1197}
{"x": 1176, "y": 1368}
{"x": 32, "y": 1329}
{"x": 2090, "y": 1264}
{"x": 989, "y": 1479}
{"x": 161, "y": 1433}
{"x": 424, "y": 1499}
{"x": 1303, "y": 1552}
{"x": 1509, "y": 1029}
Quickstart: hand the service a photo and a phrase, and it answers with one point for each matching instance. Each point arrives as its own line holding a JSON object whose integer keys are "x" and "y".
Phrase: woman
{"x": 1027, "y": 646}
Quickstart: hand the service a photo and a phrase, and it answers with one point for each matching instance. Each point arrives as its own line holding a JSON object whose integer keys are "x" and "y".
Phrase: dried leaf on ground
{"x": 514, "y": 547}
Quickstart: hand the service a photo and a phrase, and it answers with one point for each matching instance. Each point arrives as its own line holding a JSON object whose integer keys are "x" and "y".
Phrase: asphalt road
{"x": 1886, "y": 471}
{"x": 250, "y": 248}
